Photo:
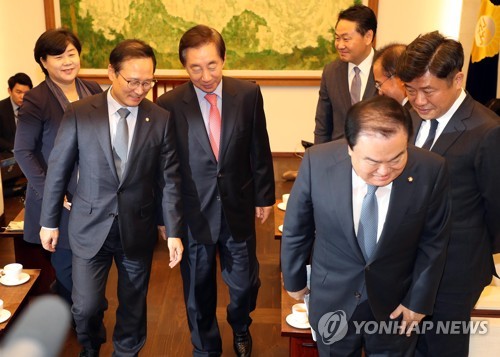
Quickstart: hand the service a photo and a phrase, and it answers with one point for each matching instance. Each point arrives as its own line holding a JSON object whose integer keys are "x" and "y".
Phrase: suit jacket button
{"x": 357, "y": 294}
{"x": 112, "y": 215}
{"x": 219, "y": 175}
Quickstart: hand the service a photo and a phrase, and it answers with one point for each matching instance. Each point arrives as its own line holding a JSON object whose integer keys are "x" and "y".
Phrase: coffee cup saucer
{"x": 280, "y": 228}
{"x": 23, "y": 278}
{"x": 290, "y": 319}
{"x": 4, "y": 315}
{"x": 282, "y": 206}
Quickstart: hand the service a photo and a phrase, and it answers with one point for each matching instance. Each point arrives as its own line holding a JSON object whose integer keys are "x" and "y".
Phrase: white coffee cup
{"x": 12, "y": 272}
{"x": 299, "y": 313}
{"x": 1, "y": 305}
{"x": 285, "y": 198}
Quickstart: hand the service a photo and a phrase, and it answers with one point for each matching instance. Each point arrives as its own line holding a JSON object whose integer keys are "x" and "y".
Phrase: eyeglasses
{"x": 134, "y": 83}
{"x": 379, "y": 85}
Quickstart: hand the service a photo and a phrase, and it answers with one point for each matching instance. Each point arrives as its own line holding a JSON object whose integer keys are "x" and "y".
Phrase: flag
{"x": 483, "y": 68}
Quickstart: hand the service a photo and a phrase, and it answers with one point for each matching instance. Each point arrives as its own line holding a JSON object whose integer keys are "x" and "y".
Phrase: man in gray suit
{"x": 374, "y": 214}
{"x": 449, "y": 122}
{"x": 128, "y": 174}
{"x": 348, "y": 79}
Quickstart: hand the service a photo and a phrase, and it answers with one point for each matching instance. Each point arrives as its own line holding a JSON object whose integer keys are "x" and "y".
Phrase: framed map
{"x": 269, "y": 36}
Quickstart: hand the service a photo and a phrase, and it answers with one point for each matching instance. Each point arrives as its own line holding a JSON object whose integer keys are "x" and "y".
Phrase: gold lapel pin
{"x": 410, "y": 179}
{"x": 147, "y": 120}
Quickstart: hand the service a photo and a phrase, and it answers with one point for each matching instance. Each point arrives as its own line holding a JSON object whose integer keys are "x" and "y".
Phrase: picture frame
{"x": 170, "y": 78}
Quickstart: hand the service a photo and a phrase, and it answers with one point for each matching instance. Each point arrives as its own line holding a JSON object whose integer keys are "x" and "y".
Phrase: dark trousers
{"x": 61, "y": 261}
{"x": 449, "y": 307}
{"x": 240, "y": 272}
{"x": 374, "y": 344}
{"x": 89, "y": 301}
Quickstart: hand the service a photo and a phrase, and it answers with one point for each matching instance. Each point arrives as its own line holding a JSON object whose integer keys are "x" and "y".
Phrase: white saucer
{"x": 22, "y": 279}
{"x": 4, "y": 315}
{"x": 280, "y": 228}
{"x": 282, "y": 206}
{"x": 290, "y": 319}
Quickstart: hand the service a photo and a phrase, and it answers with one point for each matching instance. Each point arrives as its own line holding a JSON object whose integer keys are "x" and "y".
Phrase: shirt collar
{"x": 366, "y": 65}
{"x": 201, "y": 94}
{"x": 113, "y": 105}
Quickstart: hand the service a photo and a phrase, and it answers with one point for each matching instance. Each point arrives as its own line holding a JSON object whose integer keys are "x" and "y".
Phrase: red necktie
{"x": 214, "y": 124}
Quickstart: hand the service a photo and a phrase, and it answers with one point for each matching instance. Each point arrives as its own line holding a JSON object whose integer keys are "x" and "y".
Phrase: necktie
{"x": 356, "y": 87}
{"x": 121, "y": 142}
{"x": 16, "y": 115}
{"x": 432, "y": 134}
{"x": 368, "y": 222}
{"x": 214, "y": 124}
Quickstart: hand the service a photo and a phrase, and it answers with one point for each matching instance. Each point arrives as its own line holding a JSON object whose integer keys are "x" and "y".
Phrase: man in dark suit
{"x": 125, "y": 149}
{"x": 348, "y": 79}
{"x": 449, "y": 122}
{"x": 384, "y": 72}
{"x": 19, "y": 84}
{"x": 227, "y": 181}
{"x": 376, "y": 212}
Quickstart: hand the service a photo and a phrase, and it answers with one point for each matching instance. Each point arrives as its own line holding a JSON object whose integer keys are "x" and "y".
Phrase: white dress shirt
{"x": 359, "y": 189}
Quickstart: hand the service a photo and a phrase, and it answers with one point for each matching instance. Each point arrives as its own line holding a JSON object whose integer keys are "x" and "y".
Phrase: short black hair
{"x": 381, "y": 115}
{"x": 363, "y": 16}
{"x": 389, "y": 56}
{"x": 198, "y": 36}
{"x": 20, "y": 78}
{"x": 441, "y": 56}
{"x": 54, "y": 42}
{"x": 129, "y": 49}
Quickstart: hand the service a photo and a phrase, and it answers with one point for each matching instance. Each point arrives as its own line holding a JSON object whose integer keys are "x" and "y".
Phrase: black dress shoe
{"x": 242, "y": 344}
{"x": 88, "y": 352}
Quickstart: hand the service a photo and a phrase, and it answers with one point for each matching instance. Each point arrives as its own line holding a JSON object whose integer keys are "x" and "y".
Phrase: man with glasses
{"x": 128, "y": 175}
{"x": 348, "y": 79}
{"x": 449, "y": 122}
{"x": 384, "y": 72}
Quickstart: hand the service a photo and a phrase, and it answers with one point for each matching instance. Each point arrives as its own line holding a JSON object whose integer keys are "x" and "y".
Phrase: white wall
{"x": 290, "y": 110}
{"x": 21, "y": 23}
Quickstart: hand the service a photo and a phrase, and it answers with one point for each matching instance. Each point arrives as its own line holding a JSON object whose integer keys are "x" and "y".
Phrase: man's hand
{"x": 175, "y": 249}
{"x": 163, "y": 232}
{"x": 299, "y": 295}
{"x": 67, "y": 204}
{"x": 410, "y": 319}
{"x": 49, "y": 238}
{"x": 263, "y": 213}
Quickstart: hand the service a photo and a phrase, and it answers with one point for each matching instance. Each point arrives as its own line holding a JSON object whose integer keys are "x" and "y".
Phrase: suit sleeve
{"x": 298, "y": 230}
{"x": 324, "y": 113}
{"x": 170, "y": 183}
{"x": 61, "y": 164}
{"x": 28, "y": 142}
{"x": 431, "y": 254}
{"x": 488, "y": 169}
{"x": 261, "y": 157}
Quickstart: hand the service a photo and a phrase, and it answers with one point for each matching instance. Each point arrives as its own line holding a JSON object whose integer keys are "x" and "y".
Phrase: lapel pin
{"x": 410, "y": 179}
{"x": 147, "y": 120}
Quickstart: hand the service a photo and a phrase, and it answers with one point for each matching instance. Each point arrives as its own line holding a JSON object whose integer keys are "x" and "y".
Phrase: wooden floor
{"x": 168, "y": 333}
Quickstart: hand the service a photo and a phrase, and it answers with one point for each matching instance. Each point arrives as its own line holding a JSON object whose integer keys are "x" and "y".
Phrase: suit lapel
{"x": 343, "y": 79}
{"x": 403, "y": 186}
{"x": 194, "y": 118}
{"x": 141, "y": 133}
{"x": 341, "y": 176}
{"x": 99, "y": 118}
{"x": 228, "y": 114}
{"x": 455, "y": 127}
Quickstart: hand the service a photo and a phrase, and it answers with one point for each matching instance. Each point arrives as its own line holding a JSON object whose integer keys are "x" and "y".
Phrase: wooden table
{"x": 279, "y": 218}
{"x": 14, "y": 297}
{"x": 32, "y": 256}
{"x": 301, "y": 342}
